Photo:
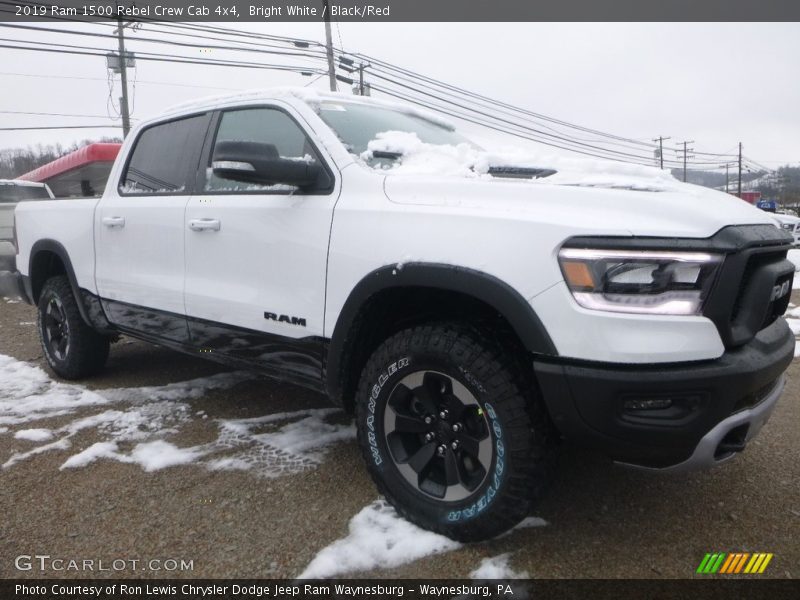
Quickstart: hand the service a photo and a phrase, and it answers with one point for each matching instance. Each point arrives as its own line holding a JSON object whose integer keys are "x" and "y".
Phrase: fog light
{"x": 648, "y": 404}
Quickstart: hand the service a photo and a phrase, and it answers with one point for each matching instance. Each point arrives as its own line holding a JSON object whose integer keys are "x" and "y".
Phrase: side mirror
{"x": 253, "y": 162}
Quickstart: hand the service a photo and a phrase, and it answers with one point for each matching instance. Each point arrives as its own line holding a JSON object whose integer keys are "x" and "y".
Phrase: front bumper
{"x": 674, "y": 417}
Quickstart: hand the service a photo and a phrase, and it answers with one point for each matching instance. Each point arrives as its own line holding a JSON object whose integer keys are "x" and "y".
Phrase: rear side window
{"x": 15, "y": 193}
{"x": 165, "y": 157}
{"x": 264, "y": 126}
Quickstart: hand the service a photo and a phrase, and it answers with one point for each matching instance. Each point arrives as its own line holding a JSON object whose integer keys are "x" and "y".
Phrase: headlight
{"x": 789, "y": 226}
{"x": 644, "y": 282}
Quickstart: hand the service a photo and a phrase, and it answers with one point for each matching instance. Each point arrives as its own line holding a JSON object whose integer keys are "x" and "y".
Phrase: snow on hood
{"x": 466, "y": 160}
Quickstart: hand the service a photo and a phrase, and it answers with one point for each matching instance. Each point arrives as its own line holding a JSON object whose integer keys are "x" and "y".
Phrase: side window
{"x": 165, "y": 157}
{"x": 266, "y": 126}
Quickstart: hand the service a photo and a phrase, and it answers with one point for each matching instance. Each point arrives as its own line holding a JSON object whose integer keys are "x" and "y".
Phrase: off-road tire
{"x": 519, "y": 428}
{"x": 86, "y": 351}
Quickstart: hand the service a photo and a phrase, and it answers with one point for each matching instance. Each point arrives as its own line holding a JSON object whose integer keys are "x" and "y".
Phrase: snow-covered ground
{"x": 379, "y": 538}
{"x": 497, "y": 567}
{"x": 135, "y": 425}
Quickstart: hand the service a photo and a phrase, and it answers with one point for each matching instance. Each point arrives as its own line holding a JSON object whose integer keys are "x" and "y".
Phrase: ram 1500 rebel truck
{"x": 470, "y": 321}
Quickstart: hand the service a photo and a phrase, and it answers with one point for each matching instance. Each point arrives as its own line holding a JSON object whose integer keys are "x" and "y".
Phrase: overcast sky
{"x": 716, "y": 84}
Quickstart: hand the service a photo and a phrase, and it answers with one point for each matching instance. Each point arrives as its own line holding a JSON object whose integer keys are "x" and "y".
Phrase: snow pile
{"x": 133, "y": 422}
{"x": 278, "y": 444}
{"x": 465, "y": 160}
{"x": 497, "y": 567}
{"x": 34, "y": 435}
{"x": 151, "y": 456}
{"x": 28, "y": 394}
{"x": 378, "y": 538}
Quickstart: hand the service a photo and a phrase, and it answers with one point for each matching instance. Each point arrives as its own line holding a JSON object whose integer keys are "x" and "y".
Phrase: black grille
{"x": 754, "y": 264}
{"x": 753, "y": 287}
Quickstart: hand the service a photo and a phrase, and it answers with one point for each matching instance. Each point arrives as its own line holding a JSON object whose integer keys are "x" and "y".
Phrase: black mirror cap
{"x": 254, "y": 162}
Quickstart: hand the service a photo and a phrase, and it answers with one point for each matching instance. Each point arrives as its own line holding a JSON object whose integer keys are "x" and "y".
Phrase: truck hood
{"x": 677, "y": 210}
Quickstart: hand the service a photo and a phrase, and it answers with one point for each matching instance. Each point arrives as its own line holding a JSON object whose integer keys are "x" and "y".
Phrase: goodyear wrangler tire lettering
{"x": 377, "y": 459}
{"x": 438, "y": 407}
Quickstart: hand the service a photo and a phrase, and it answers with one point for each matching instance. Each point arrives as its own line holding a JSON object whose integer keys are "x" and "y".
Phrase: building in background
{"x": 80, "y": 173}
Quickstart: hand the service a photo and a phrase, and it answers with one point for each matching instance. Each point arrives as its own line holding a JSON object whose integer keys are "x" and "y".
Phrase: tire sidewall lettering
{"x": 383, "y": 378}
{"x": 489, "y": 494}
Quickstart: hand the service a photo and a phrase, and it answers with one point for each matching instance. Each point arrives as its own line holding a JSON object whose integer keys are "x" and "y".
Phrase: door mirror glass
{"x": 264, "y": 150}
{"x": 260, "y": 163}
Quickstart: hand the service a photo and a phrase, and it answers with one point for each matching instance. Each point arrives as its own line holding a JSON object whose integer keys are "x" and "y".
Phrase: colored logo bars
{"x": 736, "y": 562}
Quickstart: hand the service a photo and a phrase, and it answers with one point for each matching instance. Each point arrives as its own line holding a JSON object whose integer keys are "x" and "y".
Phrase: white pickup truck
{"x": 470, "y": 319}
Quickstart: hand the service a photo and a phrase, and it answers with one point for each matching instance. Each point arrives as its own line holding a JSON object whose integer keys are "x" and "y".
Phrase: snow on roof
{"x": 312, "y": 97}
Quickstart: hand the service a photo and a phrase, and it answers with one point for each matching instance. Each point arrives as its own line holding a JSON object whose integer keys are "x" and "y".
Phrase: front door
{"x": 256, "y": 255}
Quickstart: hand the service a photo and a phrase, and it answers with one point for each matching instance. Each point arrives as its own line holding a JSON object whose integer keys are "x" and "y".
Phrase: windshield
{"x": 358, "y": 124}
{"x": 15, "y": 193}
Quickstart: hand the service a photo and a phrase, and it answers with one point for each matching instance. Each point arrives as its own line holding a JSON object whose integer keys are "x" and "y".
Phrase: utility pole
{"x": 361, "y": 67}
{"x": 123, "y": 73}
{"x": 685, "y": 156}
{"x": 727, "y": 177}
{"x": 329, "y": 46}
{"x": 740, "y": 170}
{"x": 660, "y": 139}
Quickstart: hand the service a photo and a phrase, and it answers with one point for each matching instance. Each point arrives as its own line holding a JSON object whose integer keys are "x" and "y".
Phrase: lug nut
{"x": 444, "y": 414}
{"x": 428, "y": 420}
{"x": 429, "y": 436}
{"x": 456, "y": 427}
{"x": 441, "y": 450}
{"x": 454, "y": 445}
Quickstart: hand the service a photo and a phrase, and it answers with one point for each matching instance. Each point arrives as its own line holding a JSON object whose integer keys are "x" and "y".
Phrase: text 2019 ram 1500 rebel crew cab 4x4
{"x": 468, "y": 321}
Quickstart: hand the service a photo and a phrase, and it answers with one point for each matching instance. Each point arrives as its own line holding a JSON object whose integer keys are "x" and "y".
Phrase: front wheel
{"x": 453, "y": 431}
{"x": 72, "y": 348}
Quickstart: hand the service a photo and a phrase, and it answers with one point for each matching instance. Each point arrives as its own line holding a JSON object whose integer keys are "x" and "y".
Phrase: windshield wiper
{"x": 520, "y": 172}
{"x": 385, "y": 154}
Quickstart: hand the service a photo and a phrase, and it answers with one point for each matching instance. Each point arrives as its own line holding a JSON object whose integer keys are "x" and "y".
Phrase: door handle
{"x": 114, "y": 221}
{"x": 204, "y": 225}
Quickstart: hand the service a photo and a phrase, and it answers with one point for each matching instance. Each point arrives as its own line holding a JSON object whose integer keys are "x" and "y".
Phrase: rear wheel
{"x": 453, "y": 431}
{"x": 72, "y": 348}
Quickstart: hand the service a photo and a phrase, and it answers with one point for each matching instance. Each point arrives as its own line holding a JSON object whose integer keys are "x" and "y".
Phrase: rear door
{"x": 256, "y": 255}
{"x": 139, "y": 230}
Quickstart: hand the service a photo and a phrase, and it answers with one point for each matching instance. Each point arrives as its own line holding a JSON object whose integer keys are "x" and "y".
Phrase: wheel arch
{"x": 49, "y": 258}
{"x": 411, "y": 290}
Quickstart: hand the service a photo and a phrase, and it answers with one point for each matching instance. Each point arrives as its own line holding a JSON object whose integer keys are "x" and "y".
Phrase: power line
{"x": 147, "y": 82}
{"x": 59, "y": 127}
{"x": 151, "y": 56}
{"x": 401, "y": 78}
{"x": 50, "y": 114}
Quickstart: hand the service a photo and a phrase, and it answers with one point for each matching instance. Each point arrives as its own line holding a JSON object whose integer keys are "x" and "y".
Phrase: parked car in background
{"x": 13, "y": 191}
{"x": 789, "y": 224}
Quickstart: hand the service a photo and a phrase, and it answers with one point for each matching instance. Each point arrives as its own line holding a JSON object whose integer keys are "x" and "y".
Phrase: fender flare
{"x": 88, "y": 304}
{"x": 484, "y": 287}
